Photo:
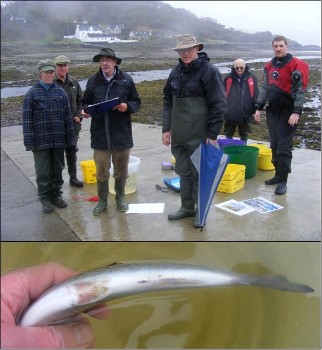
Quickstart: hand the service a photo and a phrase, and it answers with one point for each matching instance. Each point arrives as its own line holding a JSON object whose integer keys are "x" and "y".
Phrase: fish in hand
{"x": 80, "y": 293}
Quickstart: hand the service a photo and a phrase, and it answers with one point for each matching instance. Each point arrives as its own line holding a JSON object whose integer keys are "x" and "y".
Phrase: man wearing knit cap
{"x": 48, "y": 129}
{"x": 75, "y": 95}
{"x": 194, "y": 106}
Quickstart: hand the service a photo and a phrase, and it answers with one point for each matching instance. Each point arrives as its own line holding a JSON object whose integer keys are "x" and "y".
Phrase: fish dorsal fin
{"x": 114, "y": 264}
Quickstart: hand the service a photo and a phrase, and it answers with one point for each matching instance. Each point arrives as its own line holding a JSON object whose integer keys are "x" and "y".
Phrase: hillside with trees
{"x": 49, "y": 21}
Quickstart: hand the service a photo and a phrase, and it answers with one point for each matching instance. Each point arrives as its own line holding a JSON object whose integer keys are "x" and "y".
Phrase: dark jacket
{"x": 112, "y": 129}
{"x": 47, "y": 120}
{"x": 200, "y": 79}
{"x": 240, "y": 103}
{"x": 75, "y": 96}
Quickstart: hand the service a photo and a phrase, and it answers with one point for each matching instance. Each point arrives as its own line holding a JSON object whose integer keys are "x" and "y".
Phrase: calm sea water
{"x": 225, "y": 317}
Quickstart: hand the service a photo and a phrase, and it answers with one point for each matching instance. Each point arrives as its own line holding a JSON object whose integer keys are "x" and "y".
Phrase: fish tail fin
{"x": 277, "y": 282}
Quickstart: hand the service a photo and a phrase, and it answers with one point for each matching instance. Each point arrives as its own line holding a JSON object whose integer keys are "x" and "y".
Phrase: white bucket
{"x": 131, "y": 181}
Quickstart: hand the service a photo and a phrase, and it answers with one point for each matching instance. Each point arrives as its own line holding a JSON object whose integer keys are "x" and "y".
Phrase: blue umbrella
{"x": 210, "y": 162}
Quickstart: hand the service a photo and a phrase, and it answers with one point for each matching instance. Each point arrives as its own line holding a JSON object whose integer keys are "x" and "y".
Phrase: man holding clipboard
{"x": 110, "y": 98}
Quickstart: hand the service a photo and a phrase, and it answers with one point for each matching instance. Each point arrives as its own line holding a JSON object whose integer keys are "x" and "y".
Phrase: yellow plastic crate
{"x": 89, "y": 171}
{"x": 233, "y": 179}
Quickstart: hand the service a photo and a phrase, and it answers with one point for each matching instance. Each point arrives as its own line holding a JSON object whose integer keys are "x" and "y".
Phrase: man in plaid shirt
{"x": 48, "y": 129}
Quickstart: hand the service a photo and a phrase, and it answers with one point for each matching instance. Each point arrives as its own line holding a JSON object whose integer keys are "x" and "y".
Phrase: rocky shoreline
{"x": 18, "y": 65}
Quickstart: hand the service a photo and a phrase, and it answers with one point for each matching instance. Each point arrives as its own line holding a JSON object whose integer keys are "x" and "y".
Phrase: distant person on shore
{"x": 241, "y": 89}
{"x": 75, "y": 95}
{"x": 194, "y": 106}
{"x": 111, "y": 131}
{"x": 284, "y": 82}
{"x": 48, "y": 129}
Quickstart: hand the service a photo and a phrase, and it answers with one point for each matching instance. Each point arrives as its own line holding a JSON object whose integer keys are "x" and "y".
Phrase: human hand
{"x": 294, "y": 119}
{"x": 122, "y": 107}
{"x": 213, "y": 142}
{"x": 84, "y": 114}
{"x": 19, "y": 288}
{"x": 257, "y": 116}
{"x": 166, "y": 138}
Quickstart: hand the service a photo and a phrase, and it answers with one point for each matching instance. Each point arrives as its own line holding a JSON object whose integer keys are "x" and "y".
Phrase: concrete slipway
{"x": 22, "y": 217}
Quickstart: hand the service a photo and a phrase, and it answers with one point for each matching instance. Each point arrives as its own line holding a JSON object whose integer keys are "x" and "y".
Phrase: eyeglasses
{"x": 239, "y": 68}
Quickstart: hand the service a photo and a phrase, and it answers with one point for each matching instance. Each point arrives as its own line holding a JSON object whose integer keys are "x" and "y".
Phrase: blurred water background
{"x": 232, "y": 317}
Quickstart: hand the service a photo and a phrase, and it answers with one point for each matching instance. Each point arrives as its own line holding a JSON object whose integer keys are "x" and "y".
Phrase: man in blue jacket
{"x": 48, "y": 129}
{"x": 111, "y": 131}
{"x": 194, "y": 106}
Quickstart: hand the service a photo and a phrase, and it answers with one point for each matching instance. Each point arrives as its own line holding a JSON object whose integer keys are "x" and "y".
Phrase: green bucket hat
{"x": 106, "y": 52}
{"x": 46, "y": 65}
{"x": 61, "y": 59}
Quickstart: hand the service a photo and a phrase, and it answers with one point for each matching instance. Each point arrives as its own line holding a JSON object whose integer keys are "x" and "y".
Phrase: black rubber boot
{"x": 281, "y": 187}
{"x": 73, "y": 181}
{"x": 196, "y": 221}
{"x": 119, "y": 195}
{"x": 102, "y": 190}
{"x": 187, "y": 208}
{"x": 274, "y": 180}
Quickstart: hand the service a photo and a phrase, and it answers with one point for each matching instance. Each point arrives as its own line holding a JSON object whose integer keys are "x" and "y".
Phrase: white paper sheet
{"x": 145, "y": 208}
{"x": 262, "y": 205}
{"x": 235, "y": 207}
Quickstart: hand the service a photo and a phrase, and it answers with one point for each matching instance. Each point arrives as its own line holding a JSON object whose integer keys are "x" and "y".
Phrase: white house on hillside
{"x": 92, "y": 34}
{"x": 114, "y": 29}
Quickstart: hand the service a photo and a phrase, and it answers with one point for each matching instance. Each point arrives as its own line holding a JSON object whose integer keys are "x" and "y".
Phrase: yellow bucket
{"x": 265, "y": 160}
{"x": 264, "y": 157}
{"x": 89, "y": 171}
{"x": 131, "y": 181}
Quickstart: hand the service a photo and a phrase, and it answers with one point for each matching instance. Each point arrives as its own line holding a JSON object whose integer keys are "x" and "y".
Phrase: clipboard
{"x": 102, "y": 106}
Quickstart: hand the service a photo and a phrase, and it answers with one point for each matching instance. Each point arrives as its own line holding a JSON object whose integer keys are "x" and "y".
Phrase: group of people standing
{"x": 197, "y": 103}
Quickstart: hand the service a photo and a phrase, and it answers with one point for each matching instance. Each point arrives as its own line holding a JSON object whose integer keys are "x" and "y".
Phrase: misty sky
{"x": 297, "y": 20}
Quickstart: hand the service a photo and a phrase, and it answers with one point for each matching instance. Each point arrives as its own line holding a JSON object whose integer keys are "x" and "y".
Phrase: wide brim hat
{"x": 106, "y": 52}
{"x": 61, "y": 59}
{"x": 187, "y": 41}
{"x": 46, "y": 66}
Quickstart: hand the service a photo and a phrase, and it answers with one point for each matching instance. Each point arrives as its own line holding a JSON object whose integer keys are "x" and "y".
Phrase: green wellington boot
{"x": 119, "y": 195}
{"x": 102, "y": 190}
{"x": 187, "y": 208}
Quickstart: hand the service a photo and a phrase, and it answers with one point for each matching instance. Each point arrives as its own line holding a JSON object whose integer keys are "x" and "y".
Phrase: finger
{"x": 21, "y": 287}
{"x": 42, "y": 277}
{"x": 73, "y": 335}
